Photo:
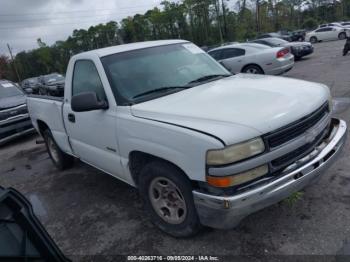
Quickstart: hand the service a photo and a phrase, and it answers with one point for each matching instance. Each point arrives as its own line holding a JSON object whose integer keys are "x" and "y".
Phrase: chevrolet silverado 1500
{"x": 203, "y": 147}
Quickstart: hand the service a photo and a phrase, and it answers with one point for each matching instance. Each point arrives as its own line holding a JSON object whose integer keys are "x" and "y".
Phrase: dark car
{"x": 276, "y": 35}
{"x": 298, "y": 35}
{"x": 298, "y": 49}
{"x": 52, "y": 85}
{"x": 14, "y": 118}
{"x": 31, "y": 85}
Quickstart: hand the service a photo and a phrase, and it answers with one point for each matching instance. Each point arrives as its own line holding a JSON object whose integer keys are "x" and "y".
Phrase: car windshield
{"x": 53, "y": 78}
{"x": 276, "y": 41}
{"x": 33, "y": 80}
{"x": 7, "y": 89}
{"x": 167, "y": 69}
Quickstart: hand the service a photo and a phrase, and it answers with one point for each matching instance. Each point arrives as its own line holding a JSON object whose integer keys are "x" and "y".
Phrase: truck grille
{"x": 297, "y": 128}
{"x": 299, "y": 153}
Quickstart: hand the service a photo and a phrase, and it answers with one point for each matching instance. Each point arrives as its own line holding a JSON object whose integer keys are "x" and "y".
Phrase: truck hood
{"x": 237, "y": 108}
{"x": 12, "y": 101}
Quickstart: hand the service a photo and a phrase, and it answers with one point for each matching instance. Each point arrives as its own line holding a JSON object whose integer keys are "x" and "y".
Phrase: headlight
{"x": 235, "y": 153}
{"x": 238, "y": 179}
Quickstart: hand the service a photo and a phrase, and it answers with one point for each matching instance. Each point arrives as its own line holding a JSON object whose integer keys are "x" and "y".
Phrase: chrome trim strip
{"x": 277, "y": 152}
{"x": 13, "y": 108}
{"x": 16, "y": 117}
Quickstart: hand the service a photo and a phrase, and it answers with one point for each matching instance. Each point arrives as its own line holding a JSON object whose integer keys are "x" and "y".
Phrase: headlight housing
{"x": 235, "y": 152}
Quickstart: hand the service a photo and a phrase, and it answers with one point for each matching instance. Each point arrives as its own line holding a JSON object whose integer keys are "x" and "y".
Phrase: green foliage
{"x": 294, "y": 198}
{"x": 204, "y": 22}
{"x": 310, "y": 23}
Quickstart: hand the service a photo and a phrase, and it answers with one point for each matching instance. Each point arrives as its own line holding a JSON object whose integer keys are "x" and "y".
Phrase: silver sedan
{"x": 254, "y": 58}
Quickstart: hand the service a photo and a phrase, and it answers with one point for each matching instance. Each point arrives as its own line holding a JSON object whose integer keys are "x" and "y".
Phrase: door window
{"x": 216, "y": 54}
{"x": 232, "y": 52}
{"x": 87, "y": 79}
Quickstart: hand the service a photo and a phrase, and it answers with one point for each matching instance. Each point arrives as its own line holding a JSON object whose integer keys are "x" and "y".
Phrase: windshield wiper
{"x": 208, "y": 77}
{"x": 159, "y": 90}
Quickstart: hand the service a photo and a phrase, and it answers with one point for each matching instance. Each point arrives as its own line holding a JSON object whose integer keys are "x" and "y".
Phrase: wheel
{"x": 168, "y": 199}
{"x": 253, "y": 69}
{"x": 300, "y": 39}
{"x": 342, "y": 36}
{"x": 313, "y": 39}
{"x": 60, "y": 159}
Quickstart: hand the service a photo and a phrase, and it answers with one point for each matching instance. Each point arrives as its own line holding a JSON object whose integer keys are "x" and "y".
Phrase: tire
{"x": 168, "y": 199}
{"x": 342, "y": 36}
{"x": 60, "y": 159}
{"x": 313, "y": 40}
{"x": 253, "y": 69}
{"x": 300, "y": 39}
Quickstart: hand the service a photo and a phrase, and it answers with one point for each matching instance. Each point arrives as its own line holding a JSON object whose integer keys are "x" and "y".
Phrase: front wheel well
{"x": 138, "y": 160}
{"x": 252, "y": 65}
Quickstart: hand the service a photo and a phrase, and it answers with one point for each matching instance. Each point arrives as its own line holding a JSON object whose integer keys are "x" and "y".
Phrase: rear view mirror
{"x": 87, "y": 101}
{"x": 22, "y": 236}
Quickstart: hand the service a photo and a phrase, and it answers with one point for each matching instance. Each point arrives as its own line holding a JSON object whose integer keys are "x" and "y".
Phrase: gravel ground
{"x": 90, "y": 213}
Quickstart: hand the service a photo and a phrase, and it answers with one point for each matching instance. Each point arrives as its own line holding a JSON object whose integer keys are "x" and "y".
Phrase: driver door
{"x": 92, "y": 134}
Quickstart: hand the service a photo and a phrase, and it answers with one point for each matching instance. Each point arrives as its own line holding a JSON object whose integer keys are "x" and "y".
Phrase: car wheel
{"x": 253, "y": 69}
{"x": 60, "y": 159}
{"x": 313, "y": 39}
{"x": 342, "y": 36}
{"x": 300, "y": 39}
{"x": 168, "y": 199}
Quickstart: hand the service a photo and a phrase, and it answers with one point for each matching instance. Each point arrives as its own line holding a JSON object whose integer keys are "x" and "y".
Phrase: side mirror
{"x": 88, "y": 101}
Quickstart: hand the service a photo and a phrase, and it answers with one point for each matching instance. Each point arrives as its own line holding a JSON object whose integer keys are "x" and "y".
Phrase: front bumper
{"x": 227, "y": 211}
{"x": 303, "y": 52}
{"x": 16, "y": 127}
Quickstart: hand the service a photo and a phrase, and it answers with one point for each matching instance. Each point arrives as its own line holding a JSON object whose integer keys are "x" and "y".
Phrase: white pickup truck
{"x": 204, "y": 147}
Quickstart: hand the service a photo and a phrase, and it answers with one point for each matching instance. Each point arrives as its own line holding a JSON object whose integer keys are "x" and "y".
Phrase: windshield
{"x": 53, "y": 78}
{"x": 138, "y": 72}
{"x": 33, "y": 80}
{"x": 7, "y": 89}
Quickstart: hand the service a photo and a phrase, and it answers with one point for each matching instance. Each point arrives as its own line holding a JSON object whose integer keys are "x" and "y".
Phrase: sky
{"x": 22, "y": 22}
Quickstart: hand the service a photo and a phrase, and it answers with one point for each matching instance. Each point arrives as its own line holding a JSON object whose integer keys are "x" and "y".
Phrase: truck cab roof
{"x": 127, "y": 47}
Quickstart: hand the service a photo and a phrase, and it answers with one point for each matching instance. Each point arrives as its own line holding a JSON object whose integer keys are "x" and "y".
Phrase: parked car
{"x": 254, "y": 58}
{"x": 346, "y": 24}
{"x": 52, "y": 84}
{"x": 202, "y": 146}
{"x": 298, "y": 35}
{"x": 336, "y": 24}
{"x": 31, "y": 85}
{"x": 327, "y": 33}
{"x": 276, "y": 35}
{"x": 14, "y": 118}
{"x": 298, "y": 49}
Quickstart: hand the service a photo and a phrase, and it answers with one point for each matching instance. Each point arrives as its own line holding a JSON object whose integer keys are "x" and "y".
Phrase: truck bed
{"x": 48, "y": 110}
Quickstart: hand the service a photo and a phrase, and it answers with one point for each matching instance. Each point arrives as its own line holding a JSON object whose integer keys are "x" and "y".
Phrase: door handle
{"x": 71, "y": 117}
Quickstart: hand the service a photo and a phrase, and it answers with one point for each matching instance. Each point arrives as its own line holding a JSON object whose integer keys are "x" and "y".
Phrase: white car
{"x": 202, "y": 146}
{"x": 327, "y": 33}
{"x": 346, "y": 24}
{"x": 254, "y": 58}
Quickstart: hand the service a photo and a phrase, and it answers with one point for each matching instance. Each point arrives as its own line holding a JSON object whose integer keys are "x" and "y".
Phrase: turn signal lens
{"x": 238, "y": 179}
